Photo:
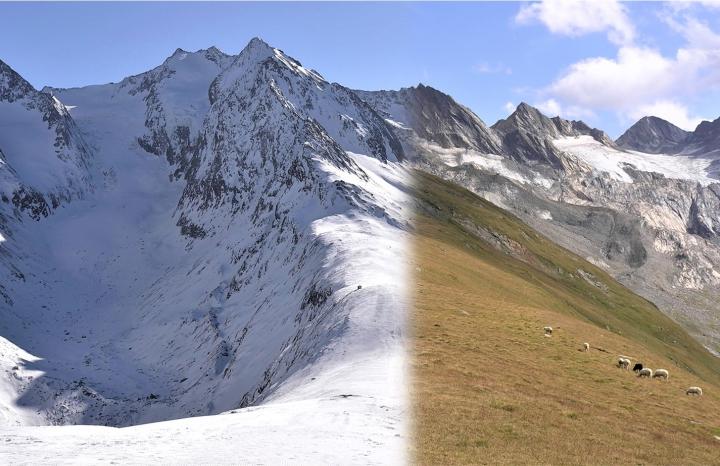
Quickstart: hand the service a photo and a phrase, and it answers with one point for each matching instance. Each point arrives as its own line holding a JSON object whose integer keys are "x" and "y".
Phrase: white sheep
{"x": 694, "y": 391}
{"x": 586, "y": 346}
{"x": 663, "y": 373}
{"x": 624, "y": 363}
{"x": 548, "y": 330}
{"x": 645, "y": 372}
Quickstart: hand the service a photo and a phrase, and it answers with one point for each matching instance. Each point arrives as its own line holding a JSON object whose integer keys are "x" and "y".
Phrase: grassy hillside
{"x": 488, "y": 386}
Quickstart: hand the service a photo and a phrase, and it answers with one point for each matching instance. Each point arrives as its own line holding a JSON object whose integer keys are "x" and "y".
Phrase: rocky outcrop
{"x": 654, "y": 135}
{"x": 435, "y": 117}
{"x": 527, "y": 135}
{"x": 656, "y": 234}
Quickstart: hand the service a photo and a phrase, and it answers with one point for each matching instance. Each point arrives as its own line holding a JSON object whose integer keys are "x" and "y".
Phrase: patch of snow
{"x": 295, "y": 66}
{"x": 545, "y": 215}
{"x": 32, "y": 149}
{"x": 396, "y": 124}
{"x": 611, "y": 161}
{"x": 455, "y": 157}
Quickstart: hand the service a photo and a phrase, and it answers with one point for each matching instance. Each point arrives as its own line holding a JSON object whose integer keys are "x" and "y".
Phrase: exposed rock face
{"x": 654, "y": 135}
{"x": 436, "y": 117}
{"x": 527, "y": 135}
{"x": 656, "y": 233}
{"x": 705, "y": 139}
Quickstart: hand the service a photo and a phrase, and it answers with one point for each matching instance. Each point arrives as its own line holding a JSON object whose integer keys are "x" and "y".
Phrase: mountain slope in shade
{"x": 434, "y": 117}
{"x": 653, "y": 135}
{"x": 705, "y": 139}
{"x": 245, "y": 245}
{"x": 45, "y": 160}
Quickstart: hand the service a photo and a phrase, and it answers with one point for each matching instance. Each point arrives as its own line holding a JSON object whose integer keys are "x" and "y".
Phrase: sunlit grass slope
{"x": 490, "y": 388}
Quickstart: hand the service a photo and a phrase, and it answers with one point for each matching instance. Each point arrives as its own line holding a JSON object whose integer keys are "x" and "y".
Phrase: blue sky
{"x": 603, "y": 62}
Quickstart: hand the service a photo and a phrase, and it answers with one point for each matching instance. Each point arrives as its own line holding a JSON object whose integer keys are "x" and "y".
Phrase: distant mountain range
{"x": 657, "y": 136}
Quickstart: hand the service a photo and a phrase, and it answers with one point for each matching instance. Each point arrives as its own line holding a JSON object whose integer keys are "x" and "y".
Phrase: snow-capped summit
{"x": 345, "y": 117}
{"x": 46, "y": 159}
{"x": 245, "y": 244}
{"x": 12, "y": 85}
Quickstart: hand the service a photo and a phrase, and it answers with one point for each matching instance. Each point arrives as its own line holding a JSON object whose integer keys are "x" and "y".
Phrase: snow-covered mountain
{"x": 650, "y": 219}
{"x": 245, "y": 243}
{"x": 44, "y": 160}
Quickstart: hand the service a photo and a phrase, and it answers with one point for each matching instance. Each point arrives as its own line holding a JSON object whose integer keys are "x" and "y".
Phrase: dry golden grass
{"x": 489, "y": 388}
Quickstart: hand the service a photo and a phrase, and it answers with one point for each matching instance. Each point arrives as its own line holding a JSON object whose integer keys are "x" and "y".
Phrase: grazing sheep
{"x": 548, "y": 330}
{"x": 623, "y": 363}
{"x": 661, "y": 373}
{"x": 645, "y": 372}
{"x": 694, "y": 391}
{"x": 637, "y": 367}
{"x": 586, "y": 346}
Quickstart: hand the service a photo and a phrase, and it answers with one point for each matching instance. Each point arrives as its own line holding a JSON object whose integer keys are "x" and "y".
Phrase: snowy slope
{"x": 615, "y": 162}
{"x": 44, "y": 159}
{"x": 351, "y": 396}
{"x": 330, "y": 430}
{"x": 245, "y": 245}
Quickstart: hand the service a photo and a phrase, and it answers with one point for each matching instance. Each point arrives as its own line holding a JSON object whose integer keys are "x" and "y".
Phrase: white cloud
{"x": 578, "y": 17}
{"x": 509, "y": 107}
{"x": 697, "y": 33}
{"x": 639, "y": 80}
{"x": 552, "y": 107}
{"x": 486, "y": 68}
{"x": 677, "y": 6}
{"x": 634, "y": 76}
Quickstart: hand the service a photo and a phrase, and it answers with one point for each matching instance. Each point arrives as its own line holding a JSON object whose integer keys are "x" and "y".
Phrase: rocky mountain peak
{"x": 653, "y": 135}
{"x": 527, "y": 118}
{"x": 527, "y": 134}
{"x": 256, "y": 50}
{"x": 12, "y": 85}
{"x": 435, "y": 117}
{"x": 705, "y": 139}
{"x": 705, "y": 127}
